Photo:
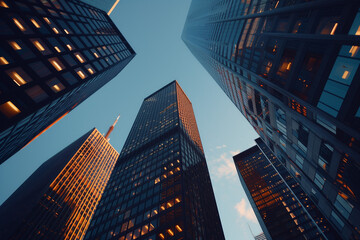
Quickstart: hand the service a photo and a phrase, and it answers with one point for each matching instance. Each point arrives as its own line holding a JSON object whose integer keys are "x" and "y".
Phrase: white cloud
{"x": 221, "y": 146}
{"x": 244, "y": 211}
{"x": 224, "y": 167}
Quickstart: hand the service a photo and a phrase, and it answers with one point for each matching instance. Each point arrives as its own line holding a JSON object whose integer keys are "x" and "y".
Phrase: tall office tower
{"x": 292, "y": 69}
{"x": 105, "y": 5}
{"x": 53, "y": 55}
{"x": 58, "y": 200}
{"x": 160, "y": 187}
{"x": 282, "y": 208}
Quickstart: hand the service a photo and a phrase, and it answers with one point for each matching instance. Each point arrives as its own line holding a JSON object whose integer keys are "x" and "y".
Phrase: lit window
{"x": 3, "y": 4}
{"x": 3, "y": 61}
{"x": 66, "y": 31}
{"x": 161, "y": 236}
{"x": 171, "y": 233}
{"x": 334, "y": 29}
{"x": 47, "y": 20}
{"x": 81, "y": 74}
{"x": 35, "y": 23}
{"x": 91, "y": 71}
{"x": 55, "y": 85}
{"x": 178, "y": 228}
{"x": 56, "y": 64}
{"x": 38, "y": 45}
{"x": 345, "y": 74}
{"x": 9, "y": 109}
{"x": 55, "y": 30}
{"x": 96, "y": 55}
{"x": 57, "y": 49}
{"x": 69, "y": 47}
{"x": 18, "y": 76}
{"x": 19, "y": 25}
{"x": 79, "y": 57}
{"x": 15, "y": 45}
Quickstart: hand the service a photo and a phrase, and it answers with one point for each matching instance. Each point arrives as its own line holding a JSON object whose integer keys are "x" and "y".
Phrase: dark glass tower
{"x": 53, "y": 55}
{"x": 58, "y": 200}
{"x": 160, "y": 187}
{"x": 283, "y": 209}
{"x": 292, "y": 69}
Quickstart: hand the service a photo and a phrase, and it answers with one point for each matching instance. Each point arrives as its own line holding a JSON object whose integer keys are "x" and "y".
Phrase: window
{"x": 55, "y": 85}
{"x": 319, "y": 180}
{"x": 36, "y": 24}
{"x": 36, "y": 93}
{"x": 40, "y": 69}
{"x": 336, "y": 219}
{"x": 79, "y": 57}
{"x": 81, "y": 74}
{"x": 9, "y": 109}
{"x": 15, "y": 45}
{"x": 337, "y": 85}
{"x": 344, "y": 207}
{"x": 325, "y": 154}
{"x": 3, "y": 61}
{"x": 56, "y": 64}
{"x": 3, "y": 4}
{"x": 19, "y": 25}
{"x": 18, "y": 76}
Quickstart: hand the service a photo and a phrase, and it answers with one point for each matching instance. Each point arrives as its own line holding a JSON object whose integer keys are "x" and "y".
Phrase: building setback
{"x": 58, "y": 200}
{"x": 292, "y": 69}
{"x": 53, "y": 55}
{"x": 282, "y": 208}
{"x": 160, "y": 187}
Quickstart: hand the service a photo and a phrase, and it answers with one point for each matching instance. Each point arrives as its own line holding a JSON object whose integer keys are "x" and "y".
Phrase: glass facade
{"x": 59, "y": 199}
{"x": 53, "y": 55}
{"x": 291, "y": 68}
{"x": 283, "y": 209}
{"x": 160, "y": 187}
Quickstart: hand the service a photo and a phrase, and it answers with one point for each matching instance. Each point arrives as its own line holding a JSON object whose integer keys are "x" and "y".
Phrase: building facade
{"x": 58, "y": 200}
{"x": 292, "y": 69}
{"x": 53, "y": 55}
{"x": 160, "y": 187}
{"x": 282, "y": 208}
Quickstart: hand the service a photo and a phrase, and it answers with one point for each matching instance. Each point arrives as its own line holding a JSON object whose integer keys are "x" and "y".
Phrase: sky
{"x": 153, "y": 28}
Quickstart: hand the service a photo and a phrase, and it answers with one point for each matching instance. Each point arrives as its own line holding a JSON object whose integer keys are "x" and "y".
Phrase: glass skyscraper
{"x": 282, "y": 208}
{"x": 58, "y": 200}
{"x": 53, "y": 55}
{"x": 292, "y": 69}
{"x": 160, "y": 187}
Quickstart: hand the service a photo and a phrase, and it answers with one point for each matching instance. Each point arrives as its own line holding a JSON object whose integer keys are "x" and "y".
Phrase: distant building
{"x": 292, "y": 69}
{"x": 58, "y": 200}
{"x": 105, "y": 5}
{"x": 282, "y": 208}
{"x": 53, "y": 55}
{"x": 261, "y": 236}
{"x": 160, "y": 187}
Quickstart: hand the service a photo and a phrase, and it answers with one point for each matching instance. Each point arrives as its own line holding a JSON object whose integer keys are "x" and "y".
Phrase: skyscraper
{"x": 58, "y": 200}
{"x": 160, "y": 187}
{"x": 282, "y": 208}
{"x": 292, "y": 69}
{"x": 53, "y": 55}
{"x": 105, "y": 5}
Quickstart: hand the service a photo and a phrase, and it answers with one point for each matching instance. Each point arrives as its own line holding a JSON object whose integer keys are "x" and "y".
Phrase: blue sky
{"x": 153, "y": 28}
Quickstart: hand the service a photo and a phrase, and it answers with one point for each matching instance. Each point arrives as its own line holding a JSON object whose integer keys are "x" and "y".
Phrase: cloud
{"x": 244, "y": 211}
{"x": 224, "y": 167}
{"x": 221, "y": 146}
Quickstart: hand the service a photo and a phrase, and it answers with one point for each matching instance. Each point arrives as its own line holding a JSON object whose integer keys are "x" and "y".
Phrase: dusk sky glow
{"x": 153, "y": 28}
